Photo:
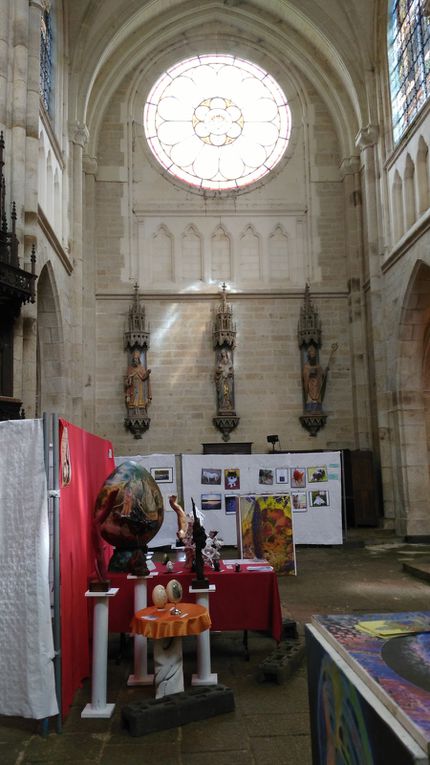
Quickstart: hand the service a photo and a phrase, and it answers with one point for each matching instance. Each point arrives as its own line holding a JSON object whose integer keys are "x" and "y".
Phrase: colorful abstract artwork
{"x": 266, "y": 530}
{"x": 394, "y": 669}
{"x": 345, "y": 727}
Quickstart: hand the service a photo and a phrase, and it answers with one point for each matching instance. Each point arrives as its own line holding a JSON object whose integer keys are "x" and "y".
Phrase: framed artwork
{"x": 298, "y": 478}
{"x": 299, "y": 501}
{"x": 210, "y": 502}
{"x": 231, "y": 504}
{"x": 281, "y": 475}
{"x": 265, "y": 476}
{"x": 162, "y": 474}
{"x": 232, "y": 479}
{"x": 317, "y": 474}
{"x": 211, "y": 476}
{"x": 319, "y": 498}
{"x": 266, "y": 530}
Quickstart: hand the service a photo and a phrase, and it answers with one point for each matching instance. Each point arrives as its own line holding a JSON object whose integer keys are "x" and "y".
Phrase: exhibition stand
{"x": 369, "y": 688}
{"x": 204, "y": 674}
{"x": 140, "y": 648}
{"x": 167, "y": 630}
{"x": 98, "y": 706}
{"x": 244, "y": 600}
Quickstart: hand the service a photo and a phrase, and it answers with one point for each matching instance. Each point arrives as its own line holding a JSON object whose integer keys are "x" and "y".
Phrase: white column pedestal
{"x": 204, "y": 675}
{"x": 98, "y": 706}
{"x": 140, "y": 645}
{"x": 168, "y": 666}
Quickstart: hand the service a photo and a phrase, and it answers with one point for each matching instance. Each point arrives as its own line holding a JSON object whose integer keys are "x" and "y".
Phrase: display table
{"x": 167, "y": 630}
{"x": 369, "y": 687}
{"x": 244, "y": 600}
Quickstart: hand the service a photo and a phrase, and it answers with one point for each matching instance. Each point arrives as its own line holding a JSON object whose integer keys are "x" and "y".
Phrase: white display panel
{"x": 314, "y": 480}
{"x": 163, "y": 468}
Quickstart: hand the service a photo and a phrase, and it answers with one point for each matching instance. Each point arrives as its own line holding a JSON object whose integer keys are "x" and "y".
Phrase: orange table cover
{"x": 160, "y": 623}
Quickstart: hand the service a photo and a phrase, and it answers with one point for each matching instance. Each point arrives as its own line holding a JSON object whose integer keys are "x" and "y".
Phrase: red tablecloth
{"x": 243, "y": 600}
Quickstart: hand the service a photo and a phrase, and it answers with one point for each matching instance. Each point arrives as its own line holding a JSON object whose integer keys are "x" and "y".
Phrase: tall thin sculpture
{"x": 224, "y": 341}
{"x": 137, "y": 383}
{"x": 314, "y": 377}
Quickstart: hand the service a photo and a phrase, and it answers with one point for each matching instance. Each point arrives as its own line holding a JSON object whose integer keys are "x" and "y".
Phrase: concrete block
{"x": 143, "y": 717}
{"x": 280, "y": 664}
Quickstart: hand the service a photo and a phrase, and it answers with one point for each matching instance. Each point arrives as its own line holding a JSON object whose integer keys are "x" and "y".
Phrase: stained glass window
{"x": 217, "y": 122}
{"x": 409, "y": 61}
{"x": 46, "y": 57}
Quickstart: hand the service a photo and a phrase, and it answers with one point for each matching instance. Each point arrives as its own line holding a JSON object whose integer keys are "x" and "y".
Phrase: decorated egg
{"x": 174, "y": 591}
{"x": 159, "y": 596}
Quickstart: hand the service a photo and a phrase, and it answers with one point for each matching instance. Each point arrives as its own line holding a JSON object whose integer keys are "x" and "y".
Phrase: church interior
{"x": 215, "y": 236}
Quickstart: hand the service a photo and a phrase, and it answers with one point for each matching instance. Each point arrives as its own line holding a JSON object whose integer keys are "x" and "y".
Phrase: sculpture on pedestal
{"x": 314, "y": 377}
{"x": 224, "y": 340}
{"x": 137, "y": 383}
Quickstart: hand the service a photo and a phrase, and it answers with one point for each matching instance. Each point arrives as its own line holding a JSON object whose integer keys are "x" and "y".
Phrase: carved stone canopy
{"x": 224, "y": 331}
{"x": 309, "y": 328}
{"x": 137, "y": 333}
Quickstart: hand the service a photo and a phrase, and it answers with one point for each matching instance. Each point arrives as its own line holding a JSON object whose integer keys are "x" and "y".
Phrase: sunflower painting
{"x": 267, "y": 531}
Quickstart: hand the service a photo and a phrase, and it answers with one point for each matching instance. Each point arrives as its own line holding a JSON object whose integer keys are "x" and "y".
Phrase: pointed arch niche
{"x": 51, "y": 392}
{"x": 412, "y": 408}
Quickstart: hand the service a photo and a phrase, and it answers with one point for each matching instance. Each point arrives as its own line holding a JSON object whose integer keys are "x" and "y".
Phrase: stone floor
{"x": 270, "y": 724}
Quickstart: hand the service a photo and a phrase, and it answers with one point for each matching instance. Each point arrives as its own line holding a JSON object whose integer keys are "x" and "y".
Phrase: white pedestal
{"x": 168, "y": 668}
{"x": 140, "y": 645}
{"x": 204, "y": 675}
{"x": 98, "y": 706}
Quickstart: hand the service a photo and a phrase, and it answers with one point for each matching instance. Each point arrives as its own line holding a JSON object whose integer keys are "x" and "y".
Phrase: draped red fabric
{"x": 85, "y": 462}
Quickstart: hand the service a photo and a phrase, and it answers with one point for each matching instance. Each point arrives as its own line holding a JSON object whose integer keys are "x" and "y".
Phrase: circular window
{"x": 217, "y": 122}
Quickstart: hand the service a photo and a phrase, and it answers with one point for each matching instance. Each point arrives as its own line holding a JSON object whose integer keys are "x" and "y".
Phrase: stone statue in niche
{"x": 313, "y": 381}
{"x": 137, "y": 384}
{"x": 224, "y": 381}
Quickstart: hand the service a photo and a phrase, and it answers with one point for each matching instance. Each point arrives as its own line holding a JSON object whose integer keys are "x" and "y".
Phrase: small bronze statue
{"x": 199, "y": 539}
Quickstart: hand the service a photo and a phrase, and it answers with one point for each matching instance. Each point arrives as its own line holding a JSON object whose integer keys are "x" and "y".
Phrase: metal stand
{"x": 98, "y": 706}
{"x": 204, "y": 675}
{"x": 140, "y": 676}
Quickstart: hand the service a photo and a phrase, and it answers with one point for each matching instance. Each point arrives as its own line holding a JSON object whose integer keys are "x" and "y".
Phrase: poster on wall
{"x": 162, "y": 467}
{"x": 265, "y": 525}
{"x": 313, "y": 480}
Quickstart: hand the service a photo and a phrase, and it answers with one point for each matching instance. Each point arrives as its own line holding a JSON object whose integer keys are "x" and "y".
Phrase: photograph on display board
{"x": 319, "y": 498}
{"x": 210, "y": 502}
{"x": 231, "y": 504}
{"x": 265, "y": 476}
{"x": 299, "y": 501}
{"x": 266, "y": 530}
{"x": 232, "y": 479}
{"x": 211, "y": 476}
{"x": 281, "y": 475}
{"x": 162, "y": 474}
{"x": 298, "y": 478}
{"x": 317, "y": 474}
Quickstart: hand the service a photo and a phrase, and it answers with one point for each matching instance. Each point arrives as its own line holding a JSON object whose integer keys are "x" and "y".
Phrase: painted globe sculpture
{"x": 128, "y": 513}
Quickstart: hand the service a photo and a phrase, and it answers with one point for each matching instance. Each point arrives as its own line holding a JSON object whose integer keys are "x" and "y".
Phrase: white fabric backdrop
{"x": 27, "y": 685}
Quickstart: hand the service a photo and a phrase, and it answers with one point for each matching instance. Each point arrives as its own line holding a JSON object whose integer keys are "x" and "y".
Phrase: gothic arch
{"x": 51, "y": 377}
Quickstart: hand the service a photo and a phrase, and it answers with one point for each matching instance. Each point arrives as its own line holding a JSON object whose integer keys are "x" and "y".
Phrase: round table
{"x": 167, "y": 629}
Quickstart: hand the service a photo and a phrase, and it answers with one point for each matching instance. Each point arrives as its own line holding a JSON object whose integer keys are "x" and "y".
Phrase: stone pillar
{"x": 366, "y": 141}
{"x": 89, "y": 299}
{"x": 350, "y": 171}
{"x": 79, "y": 137}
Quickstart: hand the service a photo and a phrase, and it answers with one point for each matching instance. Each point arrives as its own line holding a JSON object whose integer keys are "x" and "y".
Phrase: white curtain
{"x": 27, "y": 686}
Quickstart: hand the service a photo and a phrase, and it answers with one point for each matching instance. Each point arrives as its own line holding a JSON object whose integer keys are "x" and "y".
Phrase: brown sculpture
{"x": 137, "y": 384}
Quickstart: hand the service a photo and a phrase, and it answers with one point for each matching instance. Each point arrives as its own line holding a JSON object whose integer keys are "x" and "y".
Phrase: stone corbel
{"x": 79, "y": 133}
{"x": 367, "y": 137}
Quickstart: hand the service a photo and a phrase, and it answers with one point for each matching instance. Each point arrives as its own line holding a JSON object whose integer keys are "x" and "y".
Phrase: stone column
{"x": 350, "y": 171}
{"x": 79, "y": 138}
{"x": 366, "y": 141}
{"x": 89, "y": 300}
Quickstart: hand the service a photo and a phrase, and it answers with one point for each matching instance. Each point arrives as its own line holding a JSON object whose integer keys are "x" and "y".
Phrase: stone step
{"x": 419, "y": 570}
